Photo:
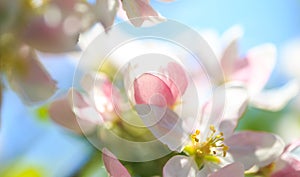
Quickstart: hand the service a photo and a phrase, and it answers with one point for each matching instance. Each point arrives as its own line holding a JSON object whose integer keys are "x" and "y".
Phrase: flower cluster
{"x": 153, "y": 106}
{"x": 53, "y": 26}
{"x": 207, "y": 145}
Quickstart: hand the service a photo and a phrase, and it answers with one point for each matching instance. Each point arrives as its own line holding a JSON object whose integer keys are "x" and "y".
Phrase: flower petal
{"x": 232, "y": 170}
{"x": 32, "y": 83}
{"x": 276, "y": 99}
{"x": 61, "y": 111}
{"x": 83, "y": 109}
{"x": 289, "y": 164}
{"x": 180, "y": 166}
{"x": 150, "y": 89}
{"x": 128, "y": 82}
{"x": 106, "y": 11}
{"x": 140, "y": 10}
{"x": 178, "y": 77}
{"x": 164, "y": 124}
{"x": 103, "y": 95}
{"x": 113, "y": 165}
{"x": 230, "y": 54}
{"x": 256, "y": 69}
{"x": 292, "y": 146}
{"x": 236, "y": 101}
{"x": 286, "y": 172}
{"x": 254, "y": 148}
{"x": 225, "y": 108}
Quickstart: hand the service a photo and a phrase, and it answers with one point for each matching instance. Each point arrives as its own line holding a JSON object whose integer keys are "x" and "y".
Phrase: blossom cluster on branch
{"x": 197, "y": 133}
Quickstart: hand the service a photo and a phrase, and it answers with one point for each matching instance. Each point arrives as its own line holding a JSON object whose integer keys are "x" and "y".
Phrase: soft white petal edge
{"x": 180, "y": 166}
{"x": 277, "y": 98}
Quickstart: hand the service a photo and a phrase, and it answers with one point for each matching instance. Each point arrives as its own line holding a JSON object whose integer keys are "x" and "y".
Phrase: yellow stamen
{"x": 209, "y": 150}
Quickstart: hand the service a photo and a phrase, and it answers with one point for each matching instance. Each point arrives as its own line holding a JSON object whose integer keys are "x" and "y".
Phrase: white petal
{"x": 231, "y": 53}
{"x": 82, "y": 108}
{"x": 236, "y": 101}
{"x": 276, "y": 99}
{"x": 164, "y": 124}
{"x": 225, "y": 108}
{"x": 138, "y": 11}
{"x": 180, "y": 166}
{"x": 254, "y": 148}
{"x": 213, "y": 39}
{"x": 106, "y": 11}
{"x": 261, "y": 61}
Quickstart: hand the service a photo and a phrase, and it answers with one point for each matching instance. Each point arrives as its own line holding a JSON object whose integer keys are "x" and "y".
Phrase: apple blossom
{"x": 287, "y": 165}
{"x": 212, "y": 145}
{"x": 89, "y": 109}
{"x": 253, "y": 70}
{"x": 161, "y": 89}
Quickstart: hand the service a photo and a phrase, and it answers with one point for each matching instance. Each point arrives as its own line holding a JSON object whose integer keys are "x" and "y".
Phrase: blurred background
{"x": 32, "y": 145}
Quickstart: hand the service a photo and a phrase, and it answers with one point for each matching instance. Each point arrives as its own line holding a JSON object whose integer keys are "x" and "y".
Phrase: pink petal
{"x": 178, "y": 78}
{"x": 232, "y": 170}
{"x": 139, "y": 10}
{"x": 277, "y": 98}
{"x": 32, "y": 83}
{"x": 290, "y": 161}
{"x": 113, "y": 165}
{"x": 286, "y": 172}
{"x": 231, "y": 54}
{"x": 61, "y": 112}
{"x": 164, "y": 124}
{"x": 180, "y": 166}
{"x": 256, "y": 69}
{"x": 150, "y": 89}
{"x": 254, "y": 148}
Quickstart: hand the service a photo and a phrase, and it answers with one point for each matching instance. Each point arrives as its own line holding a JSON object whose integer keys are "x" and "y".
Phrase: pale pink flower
{"x": 208, "y": 154}
{"x": 211, "y": 145}
{"x": 84, "y": 111}
{"x": 253, "y": 70}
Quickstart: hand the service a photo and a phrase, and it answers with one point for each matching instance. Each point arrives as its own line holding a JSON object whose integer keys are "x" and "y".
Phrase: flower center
{"x": 209, "y": 150}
